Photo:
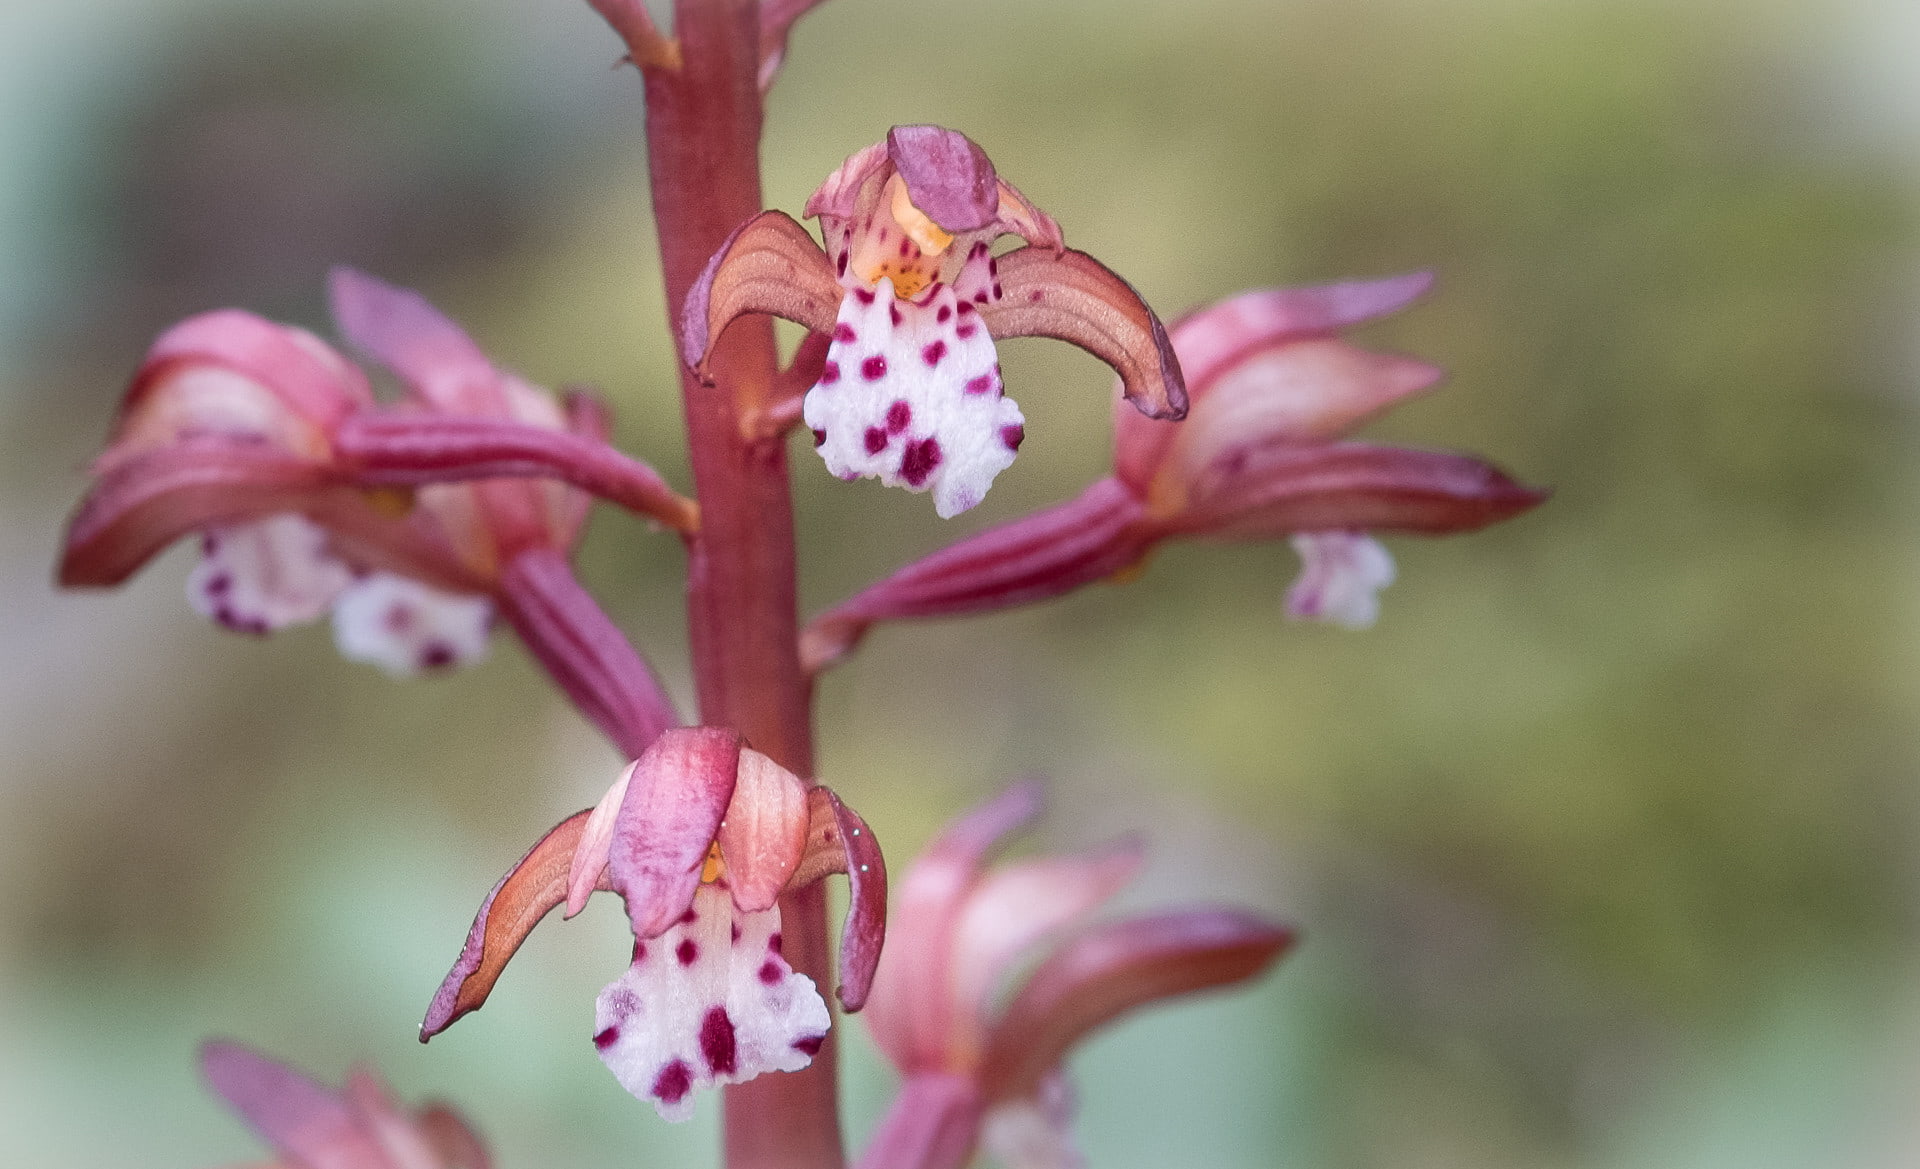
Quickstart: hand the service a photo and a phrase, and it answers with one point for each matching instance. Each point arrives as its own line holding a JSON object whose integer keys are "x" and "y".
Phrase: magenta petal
{"x": 1219, "y": 335}
{"x": 398, "y": 328}
{"x": 302, "y": 1120}
{"x": 1043, "y": 555}
{"x": 675, "y": 801}
{"x": 948, "y": 176}
{"x": 142, "y": 504}
{"x": 532, "y": 887}
{"x": 1353, "y": 486}
{"x": 933, "y": 1123}
{"x": 416, "y": 449}
{"x": 1114, "y": 969}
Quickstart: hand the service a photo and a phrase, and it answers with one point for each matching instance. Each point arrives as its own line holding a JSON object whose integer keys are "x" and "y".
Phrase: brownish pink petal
{"x": 764, "y": 832}
{"x": 777, "y": 18}
{"x": 140, "y": 505}
{"x": 291, "y": 364}
{"x": 399, "y": 328}
{"x": 839, "y": 195}
{"x": 1284, "y": 489}
{"x": 948, "y": 176}
{"x": 1114, "y": 969}
{"x": 768, "y": 265}
{"x": 675, "y": 802}
{"x": 533, "y": 886}
{"x": 839, "y": 841}
{"x": 1043, "y": 555}
{"x": 587, "y": 871}
{"x": 1073, "y": 297}
{"x": 416, "y": 449}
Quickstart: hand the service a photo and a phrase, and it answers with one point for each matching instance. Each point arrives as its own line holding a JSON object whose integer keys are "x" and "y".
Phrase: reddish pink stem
{"x": 587, "y": 655}
{"x": 703, "y": 137}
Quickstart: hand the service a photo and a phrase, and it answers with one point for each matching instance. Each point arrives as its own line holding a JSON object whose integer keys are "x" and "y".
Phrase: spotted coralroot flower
{"x": 700, "y": 836}
{"x": 1260, "y": 456}
{"x": 313, "y": 1127}
{"x": 913, "y": 298}
{"x": 976, "y": 1072}
{"x": 410, "y": 524}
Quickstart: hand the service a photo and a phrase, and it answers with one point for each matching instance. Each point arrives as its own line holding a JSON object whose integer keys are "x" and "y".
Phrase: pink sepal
{"x": 768, "y": 265}
{"x": 531, "y": 888}
{"x": 1113, "y": 969}
{"x": 670, "y": 817}
{"x": 910, "y": 1012}
{"x": 140, "y": 505}
{"x": 291, "y": 364}
{"x": 933, "y": 1123}
{"x": 777, "y": 18}
{"x": 865, "y": 927}
{"x": 589, "y": 867}
{"x": 299, "y": 1118}
{"x": 399, "y": 328}
{"x": 416, "y": 449}
{"x": 764, "y": 833}
{"x": 584, "y": 651}
{"x": 948, "y": 176}
{"x": 1283, "y": 489}
{"x": 1043, "y": 555}
{"x": 1070, "y": 296}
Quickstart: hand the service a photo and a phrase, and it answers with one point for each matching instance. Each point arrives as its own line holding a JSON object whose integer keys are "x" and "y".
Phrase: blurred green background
{"x": 1604, "y": 840}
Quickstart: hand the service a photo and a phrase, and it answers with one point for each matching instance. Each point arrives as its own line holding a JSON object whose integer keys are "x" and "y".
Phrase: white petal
{"x": 1341, "y": 575}
{"x": 407, "y": 628}
{"x": 711, "y": 1001}
{"x": 911, "y": 393}
{"x": 1035, "y": 1133}
{"x": 261, "y": 576}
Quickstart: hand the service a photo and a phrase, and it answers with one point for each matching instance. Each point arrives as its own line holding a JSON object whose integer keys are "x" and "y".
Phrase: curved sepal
{"x": 768, "y": 265}
{"x": 1073, "y": 297}
{"x": 1043, "y": 555}
{"x": 531, "y": 888}
{"x": 933, "y": 1123}
{"x": 1283, "y": 489}
{"x": 1113, "y": 969}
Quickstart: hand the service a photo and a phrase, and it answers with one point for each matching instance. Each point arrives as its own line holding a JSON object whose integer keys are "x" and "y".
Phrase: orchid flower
{"x": 409, "y": 524}
{"x": 312, "y": 1127}
{"x": 974, "y": 1072}
{"x": 1274, "y": 388}
{"x": 912, "y": 298}
{"x": 700, "y": 836}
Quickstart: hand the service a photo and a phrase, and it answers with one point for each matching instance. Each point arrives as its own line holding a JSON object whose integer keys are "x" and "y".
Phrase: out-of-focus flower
{"x": 313, "y": 1127}
{"x": 913, "y": 299}
{"x": 700, "y": 836}
{"x": 311, "y": 499}
{"x": 1259, "y": 456}
{"x": 973, "y": 1071}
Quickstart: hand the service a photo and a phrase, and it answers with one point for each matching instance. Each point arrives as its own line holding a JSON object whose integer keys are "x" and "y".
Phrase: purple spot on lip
{"x": 919, "y": 460}
{"x": 874, "y": 368}
{"x": 981, "y": 384}
{"x": 844, "y": 334}
{"x": 716, "y": 1041}
{"x": 437, "y": 655}
{"x": 689, "y": 917}
{"x": 809, "y": 1044}
{"x": 687, "y": 952}
{"x": 963, "y": 308}
{"x": 933, "y": 353}
{"x": 863, "y": 295}
{"x": 899, "y": 415}
{"x": 965, "y": 331}
{"x": 1013, "y": 436}
{"x": 893, "y": 311}
{"x": 841, "y": 265}
{"x": 819, "y": 438}
{"x": 944, "y": 315}
{"x": 906, "y": 246}
{"x": 218, "y": 584}
{"x": 639, "y": 952}
{"x": 769, "y": 972}
{"x": 736, "y": 931}
{"x": 673, "y": 1083}
{"x": 829, "y": 373}
{"x": 607, "y": 1038}
{"x": 773, "y": 944}
{"x": 876, "y": 440}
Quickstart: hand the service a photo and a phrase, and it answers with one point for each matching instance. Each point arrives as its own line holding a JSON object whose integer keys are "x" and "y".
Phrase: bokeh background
{"x": 1605, "y": 841}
